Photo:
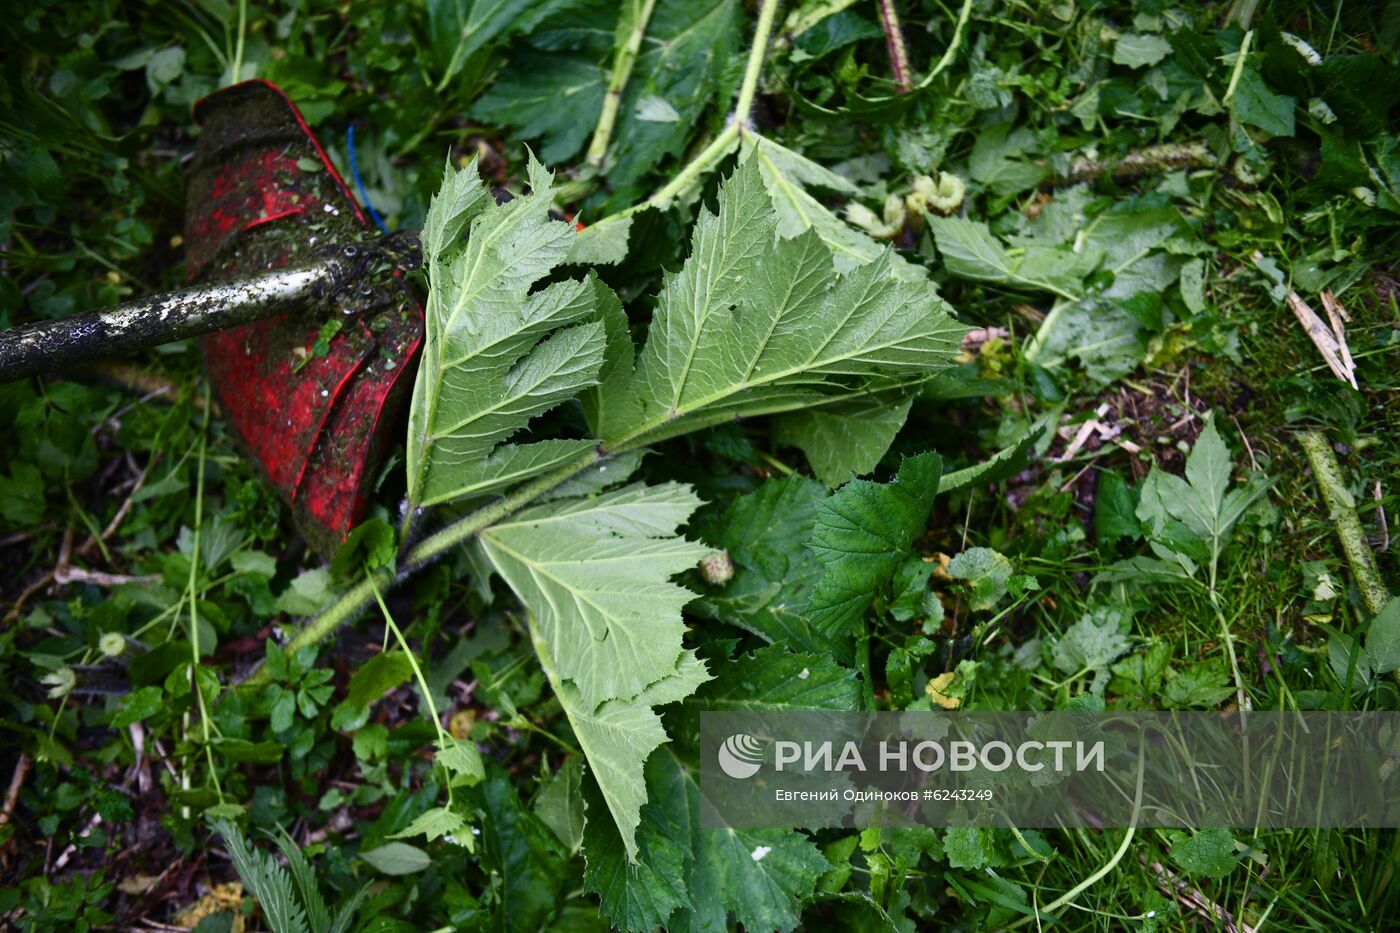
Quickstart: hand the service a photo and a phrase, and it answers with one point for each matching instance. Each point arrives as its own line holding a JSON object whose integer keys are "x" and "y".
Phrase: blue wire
{"x": 359, "y": 182}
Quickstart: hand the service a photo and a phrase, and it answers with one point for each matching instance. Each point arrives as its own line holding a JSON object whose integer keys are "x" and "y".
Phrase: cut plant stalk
{"x": 1341, "y": 509}
{"x": 728, "y": 139}
{"x": 617, "y": 83}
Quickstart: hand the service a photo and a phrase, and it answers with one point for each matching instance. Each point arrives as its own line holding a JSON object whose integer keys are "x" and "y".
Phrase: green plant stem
{"x": 192, "y": 595}
{"x": 235, "y": 75}
{"x": 1108, "y": 866}
{"x": 1239, "y": 67}
{"x": 621, "y": 72}
{"x": 757, "y": 51}
{"x": 1341, "y": 509}
{"x": 444, "y": 740}
{"x": 354, "y": 600}
{"x": 737, "y": 126}
{"x": 948, "y": 55}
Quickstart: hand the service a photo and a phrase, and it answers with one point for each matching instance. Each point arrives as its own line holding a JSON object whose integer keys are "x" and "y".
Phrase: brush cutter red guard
{"x": 262, "y": 194}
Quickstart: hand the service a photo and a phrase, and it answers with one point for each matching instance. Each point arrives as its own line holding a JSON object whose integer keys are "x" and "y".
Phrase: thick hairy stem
{"x": 349, "y": 604}
{"x": 894, "y": 41}
{"x": 1154, "y": 160}
{"x": 622, "y": 70}
{"x": 1341, "y": 508}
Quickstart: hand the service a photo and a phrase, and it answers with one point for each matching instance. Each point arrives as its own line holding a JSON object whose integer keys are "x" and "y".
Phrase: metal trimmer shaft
{"x": 51, "y": 346}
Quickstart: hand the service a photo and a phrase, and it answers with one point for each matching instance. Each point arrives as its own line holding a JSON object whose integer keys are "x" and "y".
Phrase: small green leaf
{"x": 1383, "y": 638}
{"x": 559, "y": 804}
{"x": 434, "y": 824}
{"x": 369, "y": 545}
{"x": 138, "y": 705}
{"x": 397, "y": 858}
{"x": 308, "y": 592}
{"x": 1091, "y": 644}
{"x": 377, "y": 676}
{"x": 987, "y": 571}
{"x": 968, "y": 847}
{"x": 1137, "y": 50}
{"x": 1258, "y": 105}
{"x": 1204, "y": 685}
{"x": 1209, "y": 852}
{"x": 462, "y": 759}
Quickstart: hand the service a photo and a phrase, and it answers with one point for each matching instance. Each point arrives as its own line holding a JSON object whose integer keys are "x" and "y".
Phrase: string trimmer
{"x": 309, "y": 339}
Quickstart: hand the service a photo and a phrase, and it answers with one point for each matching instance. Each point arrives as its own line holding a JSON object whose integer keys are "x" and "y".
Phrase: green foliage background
{"x": 1152, "y": 536}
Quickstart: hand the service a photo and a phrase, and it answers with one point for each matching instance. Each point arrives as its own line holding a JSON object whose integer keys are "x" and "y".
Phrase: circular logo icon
{"x": 741, "y": 756}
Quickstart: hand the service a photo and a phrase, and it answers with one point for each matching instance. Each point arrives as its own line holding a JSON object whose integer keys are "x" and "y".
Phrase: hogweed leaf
{"x": 605, "y": 620}
{"x": 496, "y": 354}
{"x": 595, "y": 574}
{"x": 754, "y": 324}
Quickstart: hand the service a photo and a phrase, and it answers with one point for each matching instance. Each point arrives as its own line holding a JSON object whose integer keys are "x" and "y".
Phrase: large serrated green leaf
{"x": 605, "y": 621}
{"x": 595, "y": 574}
{"x": 754, "y": 324}
{"x": 496, "y": 354}
{"x": 773, "y": 679}
{"x": 693, "y": 878}
{"x": 765, "y": 533}
{"x": 862, "y": 534}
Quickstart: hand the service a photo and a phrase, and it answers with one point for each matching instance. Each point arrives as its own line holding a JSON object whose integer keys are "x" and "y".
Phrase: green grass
{"x": 126, "y": 766}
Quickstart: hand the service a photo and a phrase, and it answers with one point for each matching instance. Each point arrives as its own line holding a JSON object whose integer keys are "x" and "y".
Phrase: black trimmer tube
{"x": 53, "y": 346}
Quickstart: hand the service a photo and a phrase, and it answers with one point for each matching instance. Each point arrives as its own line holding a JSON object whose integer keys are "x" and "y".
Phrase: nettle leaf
{"x": 1208, "y": 852}
{"x": 687, "y": 45}
{"x": 863, "y": 533}
{"x": 754, "y": 324}
{"x": 694, "y": 878}
{"x": 765, "y": 533}
{"x": 605, "y": 620}
{"x": 496, "y": 354}
{"x": 547, "y": 96}
{"x": 522, "y": 850}
{"x": 1258, "y": 105}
